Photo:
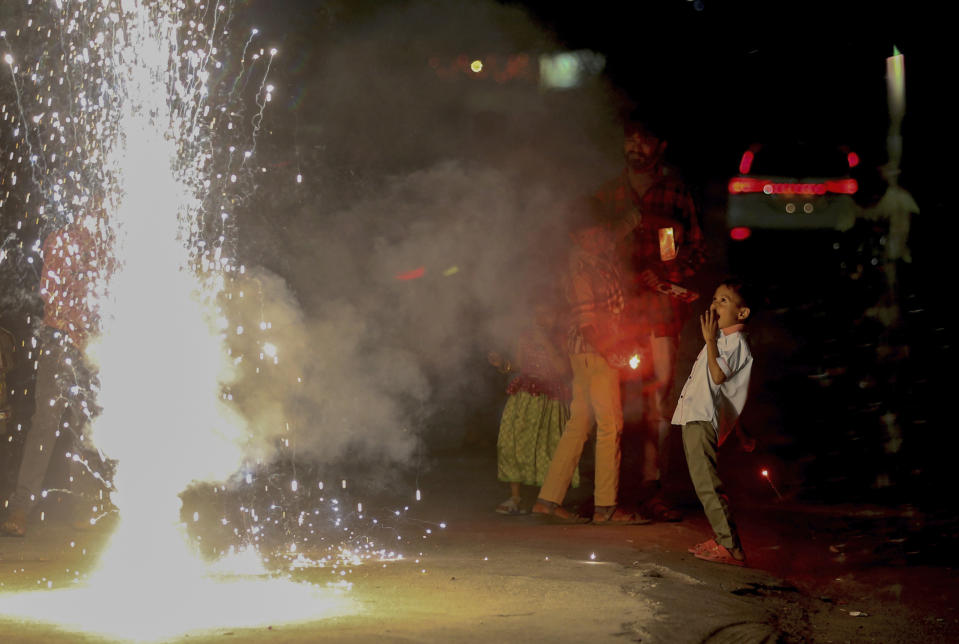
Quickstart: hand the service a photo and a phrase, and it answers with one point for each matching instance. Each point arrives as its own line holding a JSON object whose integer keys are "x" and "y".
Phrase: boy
{"x": 718, "y": 382}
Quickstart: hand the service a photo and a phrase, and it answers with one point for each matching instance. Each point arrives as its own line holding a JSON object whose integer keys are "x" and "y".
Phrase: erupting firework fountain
{"x": 129, "y": 117}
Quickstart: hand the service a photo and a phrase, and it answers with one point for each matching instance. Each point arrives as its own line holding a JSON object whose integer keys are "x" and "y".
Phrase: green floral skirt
{"x": 528, "y": 434}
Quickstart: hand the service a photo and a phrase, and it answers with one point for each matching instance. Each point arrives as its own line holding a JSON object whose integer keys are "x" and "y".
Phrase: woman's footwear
{"x": 614, "y": 515}
{"x": 510, "y": 506}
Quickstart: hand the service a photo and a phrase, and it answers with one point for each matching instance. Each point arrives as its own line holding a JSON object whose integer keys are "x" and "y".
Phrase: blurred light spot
{"x": 746, "y": 162}
{"x": 790, "y": 208}
{"x": 843, "y": 186}
{"x": 739, "y": 233}
{"x": 416, "y": 273}
{"x": 853, "y": 159}
{"x": 476, "y": 66}
{"x": 452, "y": 270}
{"x": 569, "y": 69}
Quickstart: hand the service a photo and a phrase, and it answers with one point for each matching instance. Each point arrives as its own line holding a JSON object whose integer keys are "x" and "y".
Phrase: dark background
{"x": 362, "y": 110}
{"x": 715, "y": 77}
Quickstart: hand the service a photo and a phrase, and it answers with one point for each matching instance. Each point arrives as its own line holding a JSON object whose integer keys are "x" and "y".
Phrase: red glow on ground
{"x": 413, "y": 274}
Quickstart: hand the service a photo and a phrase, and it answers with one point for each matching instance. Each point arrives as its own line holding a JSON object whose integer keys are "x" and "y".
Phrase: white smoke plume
{"x": 457, "y": 184}
{"x": 387, "y": 158}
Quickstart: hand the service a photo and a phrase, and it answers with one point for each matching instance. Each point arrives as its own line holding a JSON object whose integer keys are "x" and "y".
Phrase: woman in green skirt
{"x": 537, "y": 406}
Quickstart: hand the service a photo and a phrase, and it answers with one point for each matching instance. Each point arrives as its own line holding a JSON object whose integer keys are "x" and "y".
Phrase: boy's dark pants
{"x": 699, "y": 443}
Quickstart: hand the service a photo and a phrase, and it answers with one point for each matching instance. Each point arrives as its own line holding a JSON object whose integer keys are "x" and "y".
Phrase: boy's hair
{"x": 746, "y": 291}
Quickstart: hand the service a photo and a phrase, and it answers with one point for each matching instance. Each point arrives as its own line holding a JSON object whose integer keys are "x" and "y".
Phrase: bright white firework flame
{"x": 161, "y": 362}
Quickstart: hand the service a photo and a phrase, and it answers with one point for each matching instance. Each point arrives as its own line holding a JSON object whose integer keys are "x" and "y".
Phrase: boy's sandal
{"x": 719, "y": 554}
{"x": 615, "y": 515}
{"x": 705, "y": 545}
{"x": 510, "y": 506}
{"x": 557, "y": 514}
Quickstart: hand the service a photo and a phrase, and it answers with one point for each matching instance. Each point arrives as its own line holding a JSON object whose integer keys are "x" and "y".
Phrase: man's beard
{"x": 640, "y": 163}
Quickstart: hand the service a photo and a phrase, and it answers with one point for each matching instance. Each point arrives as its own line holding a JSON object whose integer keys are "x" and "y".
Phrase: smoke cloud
{"x": 430, "y": 209}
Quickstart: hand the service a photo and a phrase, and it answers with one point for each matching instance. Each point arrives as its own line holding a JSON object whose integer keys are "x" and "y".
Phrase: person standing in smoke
{"x": 537, "y": 406}
{"x": 597, "y": 351}
{"x": 72, "y": 262}
{"x": 663, "y": 252}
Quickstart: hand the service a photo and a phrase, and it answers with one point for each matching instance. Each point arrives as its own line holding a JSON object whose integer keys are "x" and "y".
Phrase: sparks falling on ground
{"x": 130, "y": 117}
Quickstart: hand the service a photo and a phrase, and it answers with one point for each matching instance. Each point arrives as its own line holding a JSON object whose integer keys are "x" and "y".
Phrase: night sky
{"x": 717, "y": 76}
{"x": 721, "y": 75}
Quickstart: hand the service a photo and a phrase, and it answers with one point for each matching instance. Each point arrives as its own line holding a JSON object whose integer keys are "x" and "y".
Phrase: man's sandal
{"x": 556, "y": 514}
{"x": 712, "y": 551}
{"x": 15, "y": 525}
{"x": 614, "y": 515}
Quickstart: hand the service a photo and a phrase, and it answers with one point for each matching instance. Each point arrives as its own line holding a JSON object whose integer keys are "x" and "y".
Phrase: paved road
{"x": 491, "y": 578}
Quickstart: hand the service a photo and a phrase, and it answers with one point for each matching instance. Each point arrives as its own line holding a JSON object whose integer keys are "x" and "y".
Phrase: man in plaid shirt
{"x": 73, "y": 258}
{"x": 663, "y": 252}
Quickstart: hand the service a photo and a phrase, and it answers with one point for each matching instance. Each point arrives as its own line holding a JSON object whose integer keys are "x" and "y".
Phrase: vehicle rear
{"x": 791, "y": 187}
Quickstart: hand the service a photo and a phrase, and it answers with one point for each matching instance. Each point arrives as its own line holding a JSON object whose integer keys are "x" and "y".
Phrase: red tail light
{"x": 740, "y": 233}
{"x": 740, "y": 185}
{"x": 745, "y": 184}
{"x": 746, "y": 162}
{"x": 794, "y": 188}
{"x": 843, "y": 186}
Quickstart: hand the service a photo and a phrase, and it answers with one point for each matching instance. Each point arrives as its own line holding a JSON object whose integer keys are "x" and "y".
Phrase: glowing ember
{"x": 765, "y": 474}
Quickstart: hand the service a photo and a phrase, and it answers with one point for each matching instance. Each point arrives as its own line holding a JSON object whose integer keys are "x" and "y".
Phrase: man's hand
{"x": 710, "y": 325}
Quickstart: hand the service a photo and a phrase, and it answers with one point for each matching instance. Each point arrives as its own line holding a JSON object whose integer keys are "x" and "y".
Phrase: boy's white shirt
{"x": 721, "y": 405}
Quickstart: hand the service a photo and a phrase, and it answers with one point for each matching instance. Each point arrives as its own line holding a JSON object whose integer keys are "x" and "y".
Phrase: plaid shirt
{"x": 71, "y": 264}
{"x": 668, "y": 203}
{"x": 594, "y": 290}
